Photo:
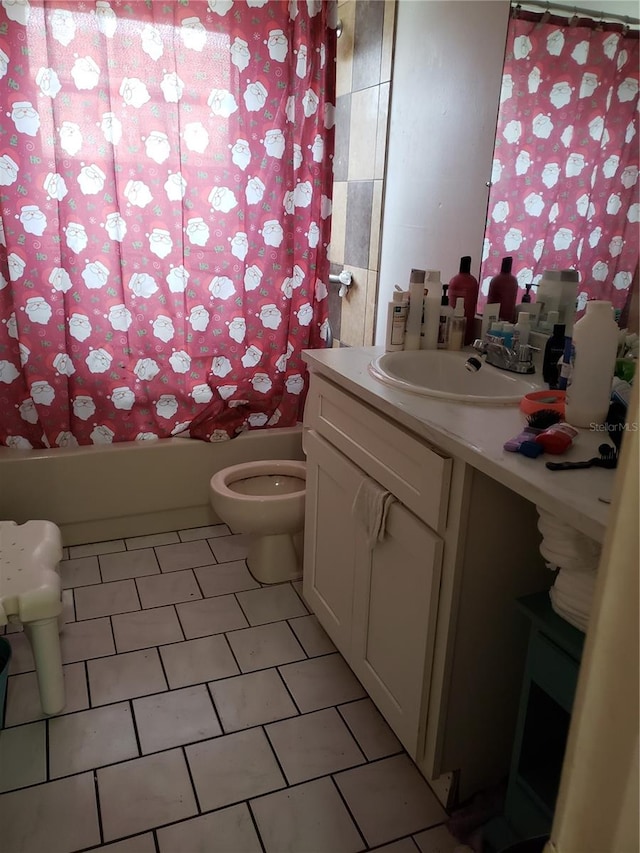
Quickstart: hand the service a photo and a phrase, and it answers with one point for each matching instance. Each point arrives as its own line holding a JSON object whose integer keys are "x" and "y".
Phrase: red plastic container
{"x": 503, "y": 288}
{"x": 465, "y": 286}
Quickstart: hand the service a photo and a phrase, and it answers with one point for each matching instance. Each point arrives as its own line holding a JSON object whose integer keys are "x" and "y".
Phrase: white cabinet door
{"x": 330, "y": 538}
{"x": 394, "y": 619}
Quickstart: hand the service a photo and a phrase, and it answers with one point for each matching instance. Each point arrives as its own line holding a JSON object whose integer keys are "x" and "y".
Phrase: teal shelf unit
{"x": 546, "y": 700}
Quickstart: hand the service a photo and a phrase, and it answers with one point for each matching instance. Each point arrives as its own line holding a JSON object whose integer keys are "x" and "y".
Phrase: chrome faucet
{"x": 516, "y": 360}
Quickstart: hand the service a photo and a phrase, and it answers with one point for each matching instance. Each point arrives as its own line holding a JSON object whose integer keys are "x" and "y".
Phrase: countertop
{"x": 476, "y": 434}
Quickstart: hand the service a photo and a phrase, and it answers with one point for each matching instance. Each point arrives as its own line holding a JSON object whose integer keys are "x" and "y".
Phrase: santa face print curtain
{"x": 564, "y": 191}
{"x": 165, "y": 202}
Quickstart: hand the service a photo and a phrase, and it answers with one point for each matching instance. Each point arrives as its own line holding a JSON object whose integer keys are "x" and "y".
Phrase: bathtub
{"x": 131, "y": 488}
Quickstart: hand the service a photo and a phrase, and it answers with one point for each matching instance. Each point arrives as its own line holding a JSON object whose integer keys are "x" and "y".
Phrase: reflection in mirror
{"x": 564, "y": 191}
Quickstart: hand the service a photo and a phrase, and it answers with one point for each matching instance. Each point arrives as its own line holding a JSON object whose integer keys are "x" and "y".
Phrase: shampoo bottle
{"x": 446, "y": 313}
{"x": 503, "y": 288}
{"x": 595, "y": 341}
{"x": 414, "y": 319}
{"x": 466, "y": 286}
{"x": 458, "y": 323}
{"x": 396, "y": 322}
{"x": 431, "y": 316}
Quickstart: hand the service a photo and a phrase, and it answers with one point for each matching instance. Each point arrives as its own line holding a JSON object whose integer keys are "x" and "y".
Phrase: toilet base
{"x": 273, "y": 559}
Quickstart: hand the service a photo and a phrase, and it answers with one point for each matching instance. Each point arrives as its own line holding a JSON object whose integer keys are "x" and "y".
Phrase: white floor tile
{"x": 105, "y": 599}
{"x": 80, "y": 572}
{"x": 146, "y": 628}
{"x": 313, "y": 745}
{"x": 439, "y": 840}
{"x": 212, "y": 530}
{"x": 229, "y": 830}
{"x": 137, "y": 844}
{"x": 369, "y": 728}
{"x": 175, "y": 718}
{"x": 228, "y": 548}
{"x": 88, "y": 739}
{"x": 312, "y": 636}
{"x": 171, "y": 588}
{"x": 59, "y": 817}
{"x": 151, "y": 540}
{"x": 130, "y": 564}
{"x": 225, "y": 578}
{"x": 186, "y": 555}
{"x": 146, "y": 792}
{"x": 251, "y": 700}
{"x": 21, "y": 656}
{"x": 110, "y": 547}
{"x": 389, "y": 799}
{"x": 88, "y": 639}
{"x": 23, "y": 696}
{"x": 271, "y": 604}
{"x": 320, "y": 682}
{"x": 232, "y": 768}
{"x": 197, "y": 661}
{"x": 310, "y": 818}
{"x": 264, "y": 646}
{"x": 23, "y": 756}
{"x": 125, "y": 676}
{"x": 68, "y": 606}
{"x": 210, "y": 616}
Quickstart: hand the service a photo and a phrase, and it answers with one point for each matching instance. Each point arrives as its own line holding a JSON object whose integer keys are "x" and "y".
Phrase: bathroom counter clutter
{"x": 476, "y": 435}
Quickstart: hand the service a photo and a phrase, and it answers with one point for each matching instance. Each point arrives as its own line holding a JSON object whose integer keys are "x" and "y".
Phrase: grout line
{"x": 286, "y": 687}
{"x": 47, "y": 768}
{"x": 276, "y": 756}
{"x": 193, "y": 784}
{"x": 135, "y": 727}
{"x": 88, "y": 684}
{"x": 349, "y": 812}
{"x": 255, "y": 826}
{"x": 156, "y": 843}
{"x": 180, "y": 625}
{"x": 96, "y": 788}
{"x": 164, "y": 675}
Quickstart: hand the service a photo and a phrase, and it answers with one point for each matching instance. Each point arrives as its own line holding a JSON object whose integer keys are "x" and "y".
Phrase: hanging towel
{"x": 370, "y": 507}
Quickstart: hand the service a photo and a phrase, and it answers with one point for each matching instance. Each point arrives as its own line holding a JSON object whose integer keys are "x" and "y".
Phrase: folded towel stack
{"x": 576, "y": 558}
{"x": 371, "y": 507}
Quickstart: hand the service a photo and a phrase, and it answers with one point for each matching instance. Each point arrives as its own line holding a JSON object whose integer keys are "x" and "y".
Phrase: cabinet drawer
{"x": 416, "y": 474}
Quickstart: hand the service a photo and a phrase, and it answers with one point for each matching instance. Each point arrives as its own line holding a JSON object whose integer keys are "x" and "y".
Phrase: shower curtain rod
{"x": 577, "y": 10}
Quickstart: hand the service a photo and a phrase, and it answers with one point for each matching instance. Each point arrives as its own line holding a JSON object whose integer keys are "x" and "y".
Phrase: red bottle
{"x": 465, "y": 286}
{"x": 503, "y": 288}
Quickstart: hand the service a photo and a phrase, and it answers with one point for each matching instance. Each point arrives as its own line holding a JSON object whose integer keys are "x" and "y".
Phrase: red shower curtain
{"x": 165, "y": 201}
{"x": 564, "y": 190}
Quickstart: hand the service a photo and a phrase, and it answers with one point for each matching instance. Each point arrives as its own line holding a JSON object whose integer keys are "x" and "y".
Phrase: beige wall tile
{"x": 338, "y": 222}
{"x": 382, "y": 130}
{"x": 388, "y": 31}
{"x": 362, "y": 134}
{"x": 353, "y": 309}
{"x": 370, "y": 308}
{"x": 376, "y": 225}
{"x": 347, "y": 14}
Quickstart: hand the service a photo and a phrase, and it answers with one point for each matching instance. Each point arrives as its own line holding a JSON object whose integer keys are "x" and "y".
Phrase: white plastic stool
{"x": 30, "y": 592}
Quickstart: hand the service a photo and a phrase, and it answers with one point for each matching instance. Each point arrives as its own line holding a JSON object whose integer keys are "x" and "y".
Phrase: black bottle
{"x": 553, "y": 352}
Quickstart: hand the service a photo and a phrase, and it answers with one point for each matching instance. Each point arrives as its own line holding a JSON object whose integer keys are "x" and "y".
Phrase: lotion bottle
{"x": 595, "y": 341}
{"x": 431, "y": 316}
{"x": 458, "y": 323}
{"x": 414, "y": 319}
{"x": 396, "y": 322}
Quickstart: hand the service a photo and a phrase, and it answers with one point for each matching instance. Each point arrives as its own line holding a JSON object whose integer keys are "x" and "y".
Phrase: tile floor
{"x": 205, "y": 714}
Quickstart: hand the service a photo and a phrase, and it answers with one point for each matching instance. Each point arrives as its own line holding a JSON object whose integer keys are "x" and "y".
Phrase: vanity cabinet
{"x": 377, "y": 604}
{"x": 426, "y": 618}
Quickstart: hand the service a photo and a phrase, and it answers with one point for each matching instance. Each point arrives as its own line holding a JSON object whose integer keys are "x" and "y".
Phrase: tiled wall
{"x": 365, "y": 51}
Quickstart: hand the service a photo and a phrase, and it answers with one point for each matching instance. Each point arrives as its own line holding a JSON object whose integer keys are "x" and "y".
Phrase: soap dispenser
{"x": 503, "y": 288}
{"x": 465, "y": 285}
{"x": 446, "y": 315}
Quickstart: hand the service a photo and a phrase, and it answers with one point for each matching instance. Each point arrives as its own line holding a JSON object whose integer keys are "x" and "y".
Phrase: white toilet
{"x": 266, "y": 500}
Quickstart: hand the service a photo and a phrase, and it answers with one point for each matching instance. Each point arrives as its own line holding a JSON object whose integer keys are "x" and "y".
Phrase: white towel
{"x": 371, "y": 507}
{"x": 572, "y": 596}
{"x": 565, "y": 547}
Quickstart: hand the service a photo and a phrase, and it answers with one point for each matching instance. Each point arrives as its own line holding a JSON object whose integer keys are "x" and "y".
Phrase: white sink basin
{"x": 439, "y": 373}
